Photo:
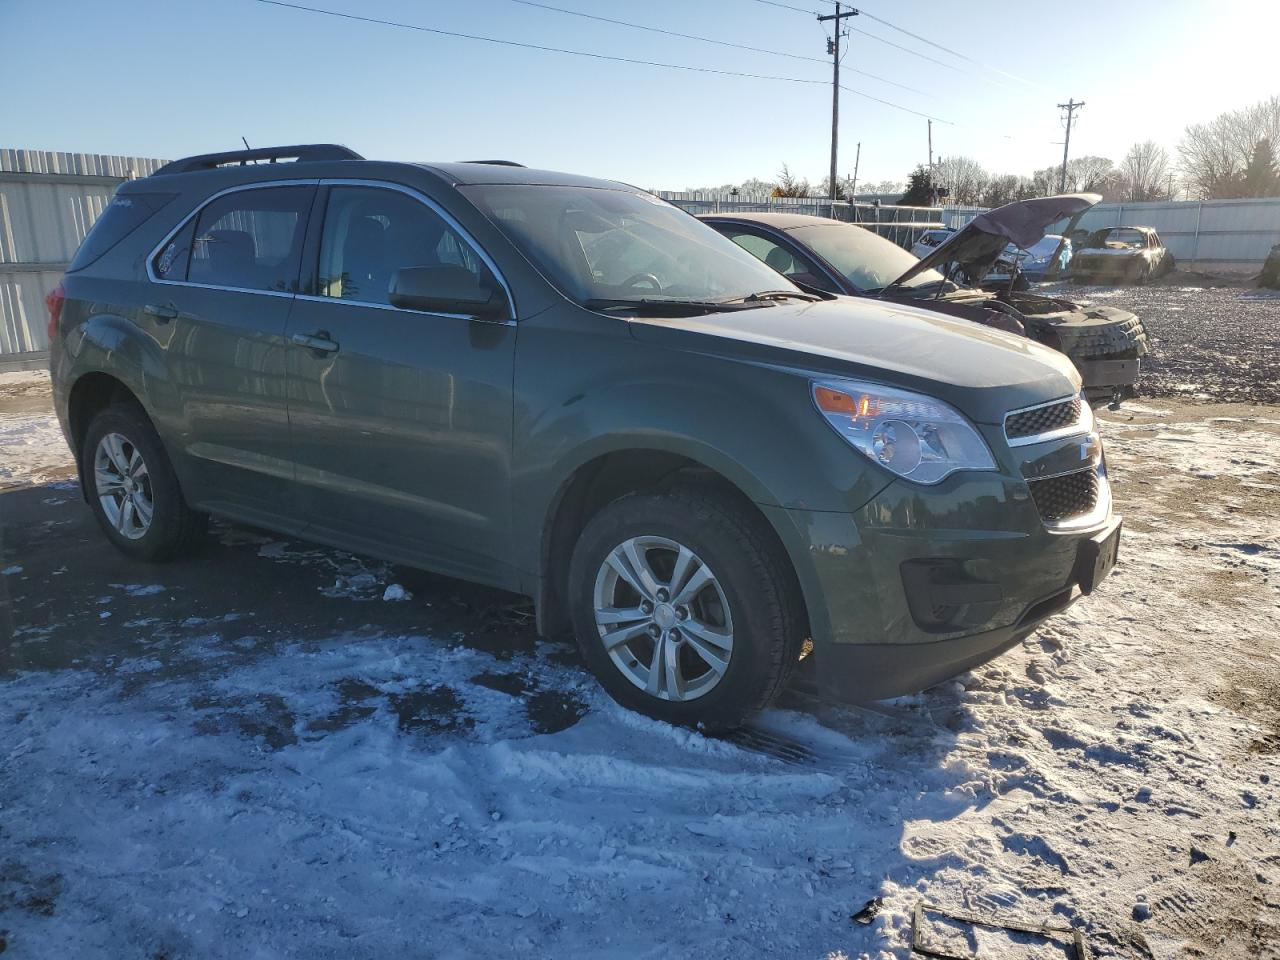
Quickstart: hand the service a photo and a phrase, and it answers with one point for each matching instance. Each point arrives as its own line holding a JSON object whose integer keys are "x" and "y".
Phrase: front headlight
{"x": 915, "y": 436}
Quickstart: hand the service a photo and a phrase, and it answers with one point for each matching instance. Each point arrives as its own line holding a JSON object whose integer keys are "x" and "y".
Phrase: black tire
{"x": 751, "y": 570}
{"x": 174, "y": 528}
{"x": 1105, "y": 334}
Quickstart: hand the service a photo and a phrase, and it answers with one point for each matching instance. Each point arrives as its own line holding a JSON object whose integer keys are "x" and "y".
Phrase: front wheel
{"x": 685, "y": 608}
{"x": 132, "y": 488}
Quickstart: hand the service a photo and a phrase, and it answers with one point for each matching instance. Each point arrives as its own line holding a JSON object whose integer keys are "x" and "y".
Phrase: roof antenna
{"x": 246, "y": 143}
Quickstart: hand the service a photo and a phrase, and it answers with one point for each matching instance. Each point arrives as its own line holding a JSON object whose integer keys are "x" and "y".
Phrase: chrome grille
{"x": 1067, "y": 496}
{"x": 1046, "y": 418}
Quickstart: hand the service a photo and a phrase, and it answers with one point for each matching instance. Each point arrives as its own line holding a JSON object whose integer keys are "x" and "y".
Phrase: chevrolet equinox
{"x": 571, "y": 389}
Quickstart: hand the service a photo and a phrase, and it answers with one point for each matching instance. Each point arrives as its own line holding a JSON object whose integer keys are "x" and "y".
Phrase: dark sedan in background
{"x": 836, "y": 258}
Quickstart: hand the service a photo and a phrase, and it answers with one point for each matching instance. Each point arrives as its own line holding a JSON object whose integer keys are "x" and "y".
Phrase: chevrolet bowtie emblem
{"x": 1091, "y": 448}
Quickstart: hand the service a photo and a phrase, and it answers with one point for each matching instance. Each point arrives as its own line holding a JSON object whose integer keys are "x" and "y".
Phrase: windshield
{"x": 601, "y": 245}
{"x": 1120, "y": 239}
{"x": 870, "y": 262}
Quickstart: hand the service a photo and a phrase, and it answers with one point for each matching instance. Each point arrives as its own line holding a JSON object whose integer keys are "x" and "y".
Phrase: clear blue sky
{"x": 165, "y": 78}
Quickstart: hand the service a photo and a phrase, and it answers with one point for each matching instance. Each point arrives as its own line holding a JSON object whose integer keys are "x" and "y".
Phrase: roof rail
{"x": 299, "y": 152}
{"x": 497, "y": 163}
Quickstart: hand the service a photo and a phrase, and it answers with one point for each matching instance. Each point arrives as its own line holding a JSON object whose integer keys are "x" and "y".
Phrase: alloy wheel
{"x": 123, "y": 486}
{"x": 663, "y": 618}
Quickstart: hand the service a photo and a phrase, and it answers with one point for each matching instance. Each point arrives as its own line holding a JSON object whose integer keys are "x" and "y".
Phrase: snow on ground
{"x": 31, "y": 445}
{"x": 220, "y": 788}
{"x": 32, "y": 450}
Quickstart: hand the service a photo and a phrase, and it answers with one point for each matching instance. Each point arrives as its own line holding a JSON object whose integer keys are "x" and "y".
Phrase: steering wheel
{"x": 638, "y": 278}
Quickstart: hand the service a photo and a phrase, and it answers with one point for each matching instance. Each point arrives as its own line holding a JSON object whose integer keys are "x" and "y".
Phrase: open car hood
{"x": 978, "y": 245}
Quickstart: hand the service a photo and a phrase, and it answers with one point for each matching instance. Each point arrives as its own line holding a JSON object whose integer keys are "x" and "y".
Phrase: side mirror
{"x": 447, "y": 289}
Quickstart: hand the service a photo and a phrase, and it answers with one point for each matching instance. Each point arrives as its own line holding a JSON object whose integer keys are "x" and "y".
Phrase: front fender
{"x": 753, "y": 424}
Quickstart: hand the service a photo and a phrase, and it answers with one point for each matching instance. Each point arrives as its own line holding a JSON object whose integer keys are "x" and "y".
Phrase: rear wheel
{"x": 684, "y": 608}
{"x": 132, "y": 488}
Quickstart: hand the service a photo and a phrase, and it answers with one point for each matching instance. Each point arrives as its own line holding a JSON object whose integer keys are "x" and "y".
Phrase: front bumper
{"x": 923, "y": 583}
{"x": 1109, "y": 374}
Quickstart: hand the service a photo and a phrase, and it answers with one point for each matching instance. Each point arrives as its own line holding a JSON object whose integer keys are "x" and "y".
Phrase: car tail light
{"x": 53, "y": 301}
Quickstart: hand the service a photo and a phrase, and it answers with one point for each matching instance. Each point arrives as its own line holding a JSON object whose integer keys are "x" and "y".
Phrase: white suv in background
{"x": 929, "y": 240}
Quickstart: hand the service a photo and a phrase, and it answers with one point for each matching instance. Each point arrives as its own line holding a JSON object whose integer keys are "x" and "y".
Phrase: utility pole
{"x": 933, "y": 187}
{"x": 857, "y": 159}
{"x": 833, "y": 48}
{"x": 1071, "y": 107}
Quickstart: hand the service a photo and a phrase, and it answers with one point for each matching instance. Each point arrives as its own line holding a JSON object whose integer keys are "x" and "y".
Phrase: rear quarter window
{"x": 124, "y": 214}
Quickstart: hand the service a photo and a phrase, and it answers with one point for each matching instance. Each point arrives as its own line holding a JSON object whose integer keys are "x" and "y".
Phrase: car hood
{"x": 978, "y": 245}
{"x": 983, "y": 372}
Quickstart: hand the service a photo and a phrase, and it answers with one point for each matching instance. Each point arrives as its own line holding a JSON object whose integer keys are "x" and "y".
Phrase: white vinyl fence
{"x": 1231, "y": 235}
{"x": 902, "y": 225}
{"x": 48, "y": 202}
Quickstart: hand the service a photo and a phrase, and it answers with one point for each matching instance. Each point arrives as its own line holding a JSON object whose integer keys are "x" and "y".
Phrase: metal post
{"x": 1195, "y": 241}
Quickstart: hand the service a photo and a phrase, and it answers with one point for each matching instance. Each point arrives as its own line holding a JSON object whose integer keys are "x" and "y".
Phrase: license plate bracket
{"x": 1097, "y": 557}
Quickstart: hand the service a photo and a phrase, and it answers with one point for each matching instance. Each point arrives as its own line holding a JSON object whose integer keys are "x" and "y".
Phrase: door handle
{"x": 317, "y": 341}
{"x": 162, "y": 312}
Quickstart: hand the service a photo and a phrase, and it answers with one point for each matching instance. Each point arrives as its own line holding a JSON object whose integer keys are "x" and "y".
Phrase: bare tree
{"x": 1006, "y": 188}
{"x": 1044, "y": 182}
{"x": 964, "y": 177}
{"x": 886, "y": 186}
{"x": 790, "y": 185}
{"x": 1090, "y": 174}
{"x": 842, "y": 188}
{"x": 1214, "y": 155}
{"x": 1145, "y": 169}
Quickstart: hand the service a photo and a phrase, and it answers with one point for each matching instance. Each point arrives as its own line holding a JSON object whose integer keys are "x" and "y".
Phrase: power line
{"x": 914, "y": 53}
{"x": 530, "y": 46}
{"x": 867, "y": 96}
{"x": 914, "y": 36}
{"x": 575, "y": 53}
{"x": 787, "y": 6}
{"x": 719, "y": 43}
{"x": 954, "y": 53}
{"x": 669, "y": 33}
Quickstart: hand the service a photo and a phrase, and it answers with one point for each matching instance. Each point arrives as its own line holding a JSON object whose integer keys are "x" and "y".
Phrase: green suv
{"x": 570, "y": 389}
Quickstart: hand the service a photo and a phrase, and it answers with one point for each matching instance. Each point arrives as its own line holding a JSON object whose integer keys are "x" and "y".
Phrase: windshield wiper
{"x": 778, "y": 295}
{"x": 675, "y": 307}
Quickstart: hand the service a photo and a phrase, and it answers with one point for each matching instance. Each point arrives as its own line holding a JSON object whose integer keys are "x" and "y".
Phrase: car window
{"x": 249, "y": 239}
{"x": 371, "y": 232}
{"x": 869, "y": 261}
{"x": 1119, "y": 238}
{"x": 602, "y": 244}
{"x": 790, "y": 263}
{"x": 124, "y": 214}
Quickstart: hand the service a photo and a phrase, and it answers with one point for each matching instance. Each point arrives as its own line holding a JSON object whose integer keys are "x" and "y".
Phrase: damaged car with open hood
{"x": 1105, "y": 343}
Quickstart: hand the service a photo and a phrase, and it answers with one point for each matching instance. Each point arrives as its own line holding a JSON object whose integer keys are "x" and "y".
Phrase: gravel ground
{"x": 260, "y": 752}
{"x": 1210, "y": 342}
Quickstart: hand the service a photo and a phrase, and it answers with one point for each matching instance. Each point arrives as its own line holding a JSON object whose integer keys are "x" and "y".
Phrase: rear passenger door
{"x": 223, "y": 285}
{"x": 401, "y": 419}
